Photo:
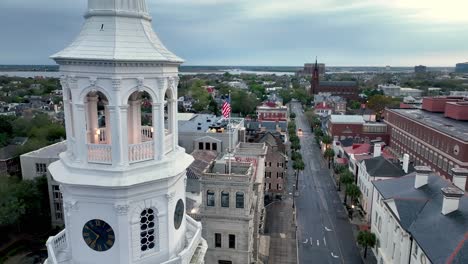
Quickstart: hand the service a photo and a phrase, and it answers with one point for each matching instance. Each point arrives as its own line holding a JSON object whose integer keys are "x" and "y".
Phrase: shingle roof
{"x": 442, "y": 237}
{"x": 381, "y": 167}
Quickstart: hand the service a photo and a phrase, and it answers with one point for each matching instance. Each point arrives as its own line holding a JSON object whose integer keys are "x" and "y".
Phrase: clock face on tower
{"x": 179, "y": 214}
{"x": 98, "y": 235}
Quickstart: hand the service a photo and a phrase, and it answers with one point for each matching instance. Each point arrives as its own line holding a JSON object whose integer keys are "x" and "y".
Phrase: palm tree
{"x": 366, "y": 239}
{"x": 327, "y": 140}
{"x": 352, "y": 190}
{"x": 346, "y": 177}
{"x": 298, "y": 165}
{"x": 329, "y": 154}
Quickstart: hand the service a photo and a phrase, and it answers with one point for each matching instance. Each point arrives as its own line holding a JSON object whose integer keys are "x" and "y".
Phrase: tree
{"x": 292, "y": 115}
{"x": 327, "y": 140}
{"x": 298, "y": 165}
{"x": 296, "y": 156}
{"x": 352, "y": 190}
{"x": 355, "y": 105}
{"x": 244, "y": 103}
{"x": 329, "y": 154}
{"x": 295, "y": 145}
{"x": 213, "y": 107}
{"x": 200, "y": 95}
{"x": 346, "y": 177}
{"x": 366, "y": 239}
{"x": 378, "y": 103}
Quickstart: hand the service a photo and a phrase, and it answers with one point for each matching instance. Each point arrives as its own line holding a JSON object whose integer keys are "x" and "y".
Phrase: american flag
{"x": 226, "y": 109}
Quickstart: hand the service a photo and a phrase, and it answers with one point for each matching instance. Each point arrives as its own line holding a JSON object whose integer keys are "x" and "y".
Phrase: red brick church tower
{"x": 315, "y": 82}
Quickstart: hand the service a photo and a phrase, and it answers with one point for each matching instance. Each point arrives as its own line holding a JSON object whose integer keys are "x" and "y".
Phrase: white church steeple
{"x": 123, "y": 175}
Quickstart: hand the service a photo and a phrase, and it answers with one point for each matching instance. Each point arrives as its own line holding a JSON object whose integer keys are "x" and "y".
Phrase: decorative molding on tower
{"x": 121, "y": 209}
{"x": 70, "y": 206}
{"x": 116, "y": 84}
{"x": 92, "y": 81}
{"x": 170, "y": 197}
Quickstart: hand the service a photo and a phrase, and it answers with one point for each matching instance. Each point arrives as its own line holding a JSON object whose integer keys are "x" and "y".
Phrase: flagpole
{"x": 230, "y": 132}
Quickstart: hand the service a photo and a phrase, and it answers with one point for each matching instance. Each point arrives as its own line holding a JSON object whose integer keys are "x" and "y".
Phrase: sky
{"x": 261, "y": 32}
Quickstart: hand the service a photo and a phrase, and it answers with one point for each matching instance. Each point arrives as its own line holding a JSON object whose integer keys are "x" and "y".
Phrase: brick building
{"x": 432, "y": 137}
{"x": 354, "y": 126}
{"x": 345, "y": 89}
{"x": 270, "y": 111}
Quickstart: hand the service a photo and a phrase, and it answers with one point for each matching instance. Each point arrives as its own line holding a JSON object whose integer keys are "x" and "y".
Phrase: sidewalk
{"x": 358, "y": 222}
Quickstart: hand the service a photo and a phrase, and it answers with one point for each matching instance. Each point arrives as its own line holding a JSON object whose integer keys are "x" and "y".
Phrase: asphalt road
{"x": 324, "y": 232}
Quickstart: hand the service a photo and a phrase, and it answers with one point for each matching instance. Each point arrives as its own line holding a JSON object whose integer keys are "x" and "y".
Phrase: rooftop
{"x": 382, "y": 167}
{"x": 51, "y": 151}
{"x": 347, "y": 119}
{"x": 419, "y": 210}
{"x": 206, "y": 123}
{"x": 437, "y": 121}
{"x": 338, "y": 83}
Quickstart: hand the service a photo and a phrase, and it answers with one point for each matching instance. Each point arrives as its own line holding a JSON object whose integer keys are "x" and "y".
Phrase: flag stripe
{"x": 226, "y": 108}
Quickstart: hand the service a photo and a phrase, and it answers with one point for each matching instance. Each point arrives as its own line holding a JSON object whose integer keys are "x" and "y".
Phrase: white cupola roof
{"x": 117, "y": 30}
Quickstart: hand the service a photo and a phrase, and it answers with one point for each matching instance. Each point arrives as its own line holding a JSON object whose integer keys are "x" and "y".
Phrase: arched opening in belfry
{"x": 140, "y": 128}
{"x": 98, "y": 128}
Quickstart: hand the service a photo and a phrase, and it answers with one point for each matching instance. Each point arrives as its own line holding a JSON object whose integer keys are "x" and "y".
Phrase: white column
{"x": 108, "y": 129}
{"x": 117, "y": 144}
{"x": 158, "y": 128}
{"x": 92, "y": 121}
{"x": 172, "y": 121}
{"x": 124, "y": 133}
{"x": 135, "y": 125}
{"x": 80, "y": 134}
{"x": 68, "y": 123}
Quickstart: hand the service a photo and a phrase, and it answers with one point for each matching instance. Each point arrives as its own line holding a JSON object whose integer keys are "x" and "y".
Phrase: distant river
{"x": 26, "y": 74}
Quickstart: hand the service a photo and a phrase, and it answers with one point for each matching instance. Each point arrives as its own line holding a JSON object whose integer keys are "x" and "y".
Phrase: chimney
{"x": 377, "y": 150}
{"x": 459, "y": 177}
{"x": 422, "y": 176}
{"x": 451, "y": 201}
{"x": 405, "y": 162}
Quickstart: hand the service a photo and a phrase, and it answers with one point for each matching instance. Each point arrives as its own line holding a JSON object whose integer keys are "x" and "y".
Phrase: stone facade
{"x": 232, "y": 209}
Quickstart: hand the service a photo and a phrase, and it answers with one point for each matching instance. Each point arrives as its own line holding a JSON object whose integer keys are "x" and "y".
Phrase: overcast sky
{"x": 261, "y": 32}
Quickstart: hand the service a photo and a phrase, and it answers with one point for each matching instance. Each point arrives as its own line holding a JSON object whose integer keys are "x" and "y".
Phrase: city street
{"x": 324, "y": 232}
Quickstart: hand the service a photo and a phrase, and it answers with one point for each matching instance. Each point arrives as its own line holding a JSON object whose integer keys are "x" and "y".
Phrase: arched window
{"x": 239, "y": 200}
{"x": 140, "y": 127}
{"x": 210, "y": 198}
{"x": 224, "y": 199}
{"x": 148, "y": 229}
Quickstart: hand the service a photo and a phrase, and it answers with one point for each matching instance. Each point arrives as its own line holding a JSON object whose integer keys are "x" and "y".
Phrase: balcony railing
{"x": 100, "y": 153}
{"x": 56, "y": 248}
{"x": 141, "y": 152}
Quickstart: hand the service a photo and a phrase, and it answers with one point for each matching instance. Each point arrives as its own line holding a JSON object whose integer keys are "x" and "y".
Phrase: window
{"x": 147, "y": 229}
{"x": 269, "y": 186}
{"x": 214, "y": 147}
{"x": 224, "y": 199}
{"x": 224, "y": 262}
{"x": 200, "y": 145}
{"x": 217, "y": 240}
{"x": 57, "y": 200}
{"x": 208, "y": 146}
{"x": 239, "y": 200}
{"x": 41, "y": 168}
{"x": 232, "y": 241}
{"x": 210, "y": 198}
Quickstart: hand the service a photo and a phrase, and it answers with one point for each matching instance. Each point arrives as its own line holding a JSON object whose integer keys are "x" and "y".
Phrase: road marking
{"x": 328, "y": 229}
{"x": 334, "y": 256}
{"x": 311, "y": 242}
{"x": 318, "y": 242}
{"x": 307, "y": 240}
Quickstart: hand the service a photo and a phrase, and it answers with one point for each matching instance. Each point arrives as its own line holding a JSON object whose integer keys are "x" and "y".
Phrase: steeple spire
{"x": 118, "y": 7}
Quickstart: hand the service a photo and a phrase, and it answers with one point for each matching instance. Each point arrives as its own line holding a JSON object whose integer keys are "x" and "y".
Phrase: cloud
{"x": 261, "y": 32}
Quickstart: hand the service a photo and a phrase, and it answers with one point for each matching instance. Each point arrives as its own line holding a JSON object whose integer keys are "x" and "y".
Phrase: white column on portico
{"x": 80, "y": 133}
{"x": 68, "y": 119}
